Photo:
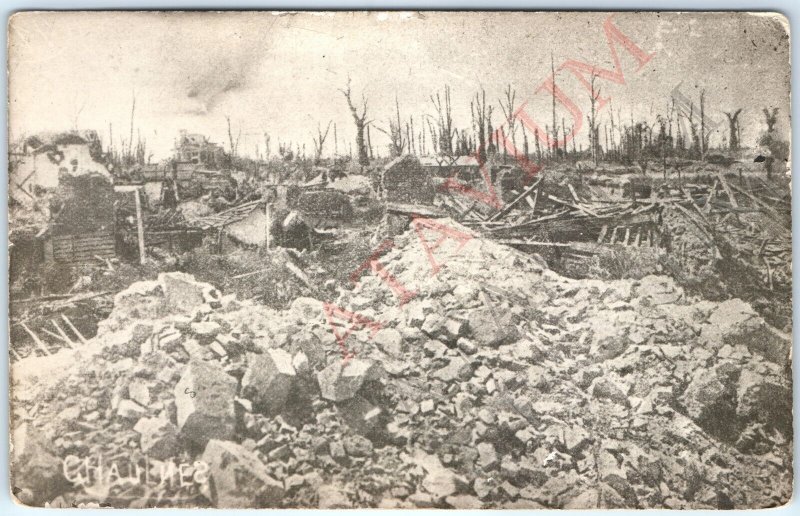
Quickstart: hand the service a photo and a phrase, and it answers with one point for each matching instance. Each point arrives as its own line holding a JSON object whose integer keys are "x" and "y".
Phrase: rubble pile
{"x": 496, "y": 383}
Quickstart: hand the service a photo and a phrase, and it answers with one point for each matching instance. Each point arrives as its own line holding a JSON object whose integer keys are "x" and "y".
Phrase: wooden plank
{"x": 530, "y": 201}
{"x": 571, "y": 205}
{"x": 627, "y": 236}
{"x": 36, "y": 339}
{"x": 694, "y": 205}
{"x": 602, "y": 234}
{"x": 772, "y": 211}
{"x": 73, "y": 328}
{"x": 711, "y": 196}
{"x": 536, "y": 195}
{"x": 85, "y": 251}
{"x": 508, "y": 207}
{"x": 726, "y": 186}
{"x": 638, "y": 237}
{"x": 54, "y": 335}
{"x": 63, "y": 334}
{"x": 574, "y": 193}
{"x": 512, "y": 241}
{"x": 613, "y": 235}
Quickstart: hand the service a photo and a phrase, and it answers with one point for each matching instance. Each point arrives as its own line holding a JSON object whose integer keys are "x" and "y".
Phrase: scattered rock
{"x": 491, "y": 330}
{"x": 390, "y": 341}
{"x": 239, "y": 480}
{"x": 158, "y": 438}
{"x": 204, "y": 401}
{"x": 342, "y": 381}
{"x": 487, "y": 456}
{"x": 268, "y": 380}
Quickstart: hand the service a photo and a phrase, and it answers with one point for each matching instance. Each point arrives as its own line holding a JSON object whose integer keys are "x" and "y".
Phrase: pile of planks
{"x": 226, "y": 217}
{"x": 536, "y": 218}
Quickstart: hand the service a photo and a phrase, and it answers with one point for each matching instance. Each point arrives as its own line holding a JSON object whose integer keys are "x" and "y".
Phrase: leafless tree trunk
{"x": 733, "y": 127}
{"x": 445, "y": 120}
{"x": 319, "y": 142}
{"x": 395, "y": 133}
{"x": 555, "y": 123}
{"x": 478, "y": 109}
{"x": 361, "y": 122}
{"x": 335, "y": 141}
{"x": 771, "y": 117}
{"x": 593, "y": 130}
{"x": 508, "y": 112}
{"x": 703, "y": 135}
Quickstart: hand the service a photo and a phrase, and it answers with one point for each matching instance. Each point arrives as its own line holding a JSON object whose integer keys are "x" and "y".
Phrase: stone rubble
{"x": 499, "y": 385}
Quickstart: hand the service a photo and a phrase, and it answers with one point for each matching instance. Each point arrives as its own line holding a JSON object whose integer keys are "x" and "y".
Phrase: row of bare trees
{"x": 683, "y": 132}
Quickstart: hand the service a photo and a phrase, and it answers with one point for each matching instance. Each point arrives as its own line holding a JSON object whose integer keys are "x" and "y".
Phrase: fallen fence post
{"x": 36, "y": 339}
{"x": 74, "y": 329}
{"x": 63, "y": 334}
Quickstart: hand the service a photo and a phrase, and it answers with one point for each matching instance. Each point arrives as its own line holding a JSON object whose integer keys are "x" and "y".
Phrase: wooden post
{"x": 139, "y": 227}
{"x": 63, "y": 334}
{"x": 73, "y": 328}
{"x": 37, "y": 340}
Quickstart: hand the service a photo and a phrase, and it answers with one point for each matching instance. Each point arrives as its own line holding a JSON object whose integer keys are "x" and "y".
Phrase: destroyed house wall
{"x": 324, "y": 208}
{"x": 82, "y": 228}
{"x": 87, "y": 205}
{"x": 405, "y": 181}
{"x": 41, "y": 169}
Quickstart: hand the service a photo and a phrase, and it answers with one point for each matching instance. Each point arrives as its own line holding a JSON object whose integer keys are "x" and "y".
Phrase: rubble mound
{"x": 476, "y": 377}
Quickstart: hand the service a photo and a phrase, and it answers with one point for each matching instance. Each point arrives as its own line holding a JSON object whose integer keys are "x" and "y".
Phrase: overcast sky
{"x": 281, "y": 74}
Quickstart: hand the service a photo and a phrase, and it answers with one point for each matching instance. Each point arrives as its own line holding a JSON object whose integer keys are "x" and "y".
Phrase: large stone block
{"x": 342, "y": 380}
{"x": 490, "y": 329}
{"x": 268, "y": 380}
{"x": 182, "y": 293}
{"x": 204, "y": 399}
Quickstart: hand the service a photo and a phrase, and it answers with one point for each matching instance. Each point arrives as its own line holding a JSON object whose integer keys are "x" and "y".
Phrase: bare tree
{"x": 593, "y": 129}
{"x": 411, "y": 139}
{"x": 395, "y": 133}
{"x": 555, "y": 124}
{"x": 508, "y": 112}
{"x": 434, "y": 137}
{"x": 524, "y": 142}
{"x": 319, "y": 142}
{"x": 234, "y": 143}
{"x": 733, "y": 127}
{"x": 444, "y": 113}
{"x": 478, "y": 109}
{"x": 771, "y": 118}
{"x": 703, "y": 135}
{"x": 360, "y": 121}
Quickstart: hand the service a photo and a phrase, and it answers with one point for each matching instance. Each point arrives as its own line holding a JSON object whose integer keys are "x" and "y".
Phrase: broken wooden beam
{"x": 614, "y": 235}
{"x": 602, "y": 234}
{"x": 63, "y": 334}
{"x": 579, "y": 207}
{"x": 731, "y": 197}
{"x": 36, "y": 340}
{"x": 508, "y": 207}
{"x": 74, "y": 329}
